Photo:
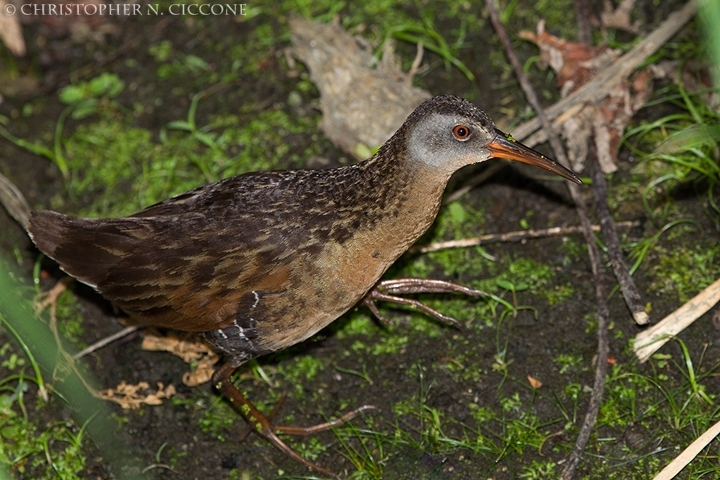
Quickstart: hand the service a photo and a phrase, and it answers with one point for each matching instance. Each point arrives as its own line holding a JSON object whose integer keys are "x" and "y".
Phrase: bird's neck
{"x": 408, "y": 197}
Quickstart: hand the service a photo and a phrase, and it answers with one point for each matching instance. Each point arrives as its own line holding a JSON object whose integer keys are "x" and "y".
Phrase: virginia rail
{"x": 259, "y": 262}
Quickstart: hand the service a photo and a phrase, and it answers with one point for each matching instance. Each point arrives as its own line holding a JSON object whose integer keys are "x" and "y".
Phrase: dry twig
{"x": 106, "y": 341}
{"x": 617, "y": 258}
{"x": 511, "y": 237}
{"x": 593, "y": 251}
{"x": 674, "y": 467}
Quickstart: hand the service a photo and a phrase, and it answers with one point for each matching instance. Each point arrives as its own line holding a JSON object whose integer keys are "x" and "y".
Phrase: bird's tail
{"x": 14, "y": 202}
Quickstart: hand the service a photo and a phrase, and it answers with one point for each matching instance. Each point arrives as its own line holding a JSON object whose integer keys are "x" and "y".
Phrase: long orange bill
{"x": 504, "y": 146}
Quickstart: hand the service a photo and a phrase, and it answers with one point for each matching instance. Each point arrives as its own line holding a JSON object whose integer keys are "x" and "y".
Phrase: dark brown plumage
{"x": 261, "y": 261}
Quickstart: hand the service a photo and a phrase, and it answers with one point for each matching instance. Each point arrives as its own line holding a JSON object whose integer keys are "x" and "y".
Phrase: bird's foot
{"x": 261, "y": 424}
{"x": 388, "y": 291}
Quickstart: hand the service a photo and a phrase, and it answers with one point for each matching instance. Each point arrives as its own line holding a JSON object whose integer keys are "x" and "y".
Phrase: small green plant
{"x": 367, "y": 458}
{"x": 539, "y": 470}
{"x": 87, "y": 98}
{"x": 683, "y": 147}
{"x": 428, "y": 35}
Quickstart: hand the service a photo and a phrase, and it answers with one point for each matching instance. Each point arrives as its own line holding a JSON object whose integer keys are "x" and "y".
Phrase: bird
{"x": 261, "y": 261}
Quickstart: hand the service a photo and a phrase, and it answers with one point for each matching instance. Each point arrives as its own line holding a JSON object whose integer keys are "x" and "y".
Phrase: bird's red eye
{"x": 461, "y": 132}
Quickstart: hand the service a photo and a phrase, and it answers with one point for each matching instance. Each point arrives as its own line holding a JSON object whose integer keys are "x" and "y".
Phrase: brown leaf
{"x": 604, "y": 122}
{"x": 130, "y": 397}
{"x": 191, "y": 349}
{"x": 534, "y": 382}
{"x": 620, "y": 17}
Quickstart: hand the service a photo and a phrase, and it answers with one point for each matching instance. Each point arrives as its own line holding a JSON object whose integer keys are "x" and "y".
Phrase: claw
{"x": 387, "y": 291}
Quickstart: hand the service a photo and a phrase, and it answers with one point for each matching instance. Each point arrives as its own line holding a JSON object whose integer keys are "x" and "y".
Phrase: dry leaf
{"x": 534, "y": 382}
{"x": 130, "y": 396}
{"x": 620, "y": 17}
{"x": 188, "y": 347}
{"x": 202, "y": 373}
{"x": 191, "y": 349}
{"x": 605, "y": 122}
{"x": 574, "y": 63}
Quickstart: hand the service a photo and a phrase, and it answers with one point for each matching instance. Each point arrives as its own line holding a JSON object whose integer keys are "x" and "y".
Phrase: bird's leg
{"x": 248, "y": 429}
{"x": 261, "y": 424}
{"x": 387, "y": 291}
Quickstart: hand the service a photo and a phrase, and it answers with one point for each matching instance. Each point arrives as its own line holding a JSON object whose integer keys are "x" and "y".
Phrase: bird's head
{"x": 446, "y": 133}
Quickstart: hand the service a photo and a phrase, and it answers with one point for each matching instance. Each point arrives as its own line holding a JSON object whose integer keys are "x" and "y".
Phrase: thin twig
{"x": 609, "y": 232}
{"x": 511, "y": 237}
{"x": 582, "y": 13}
{"x": 416, "y": 63}
{"x": 603, "y": 341}
{"x": 105, "y": 341}
{"x": 593, "y": 251}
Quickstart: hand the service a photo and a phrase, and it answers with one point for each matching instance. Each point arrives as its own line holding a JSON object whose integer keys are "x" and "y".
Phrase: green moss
{"x": 558, "y": 293}
{"x": 527, "y": 272}
{"x": 539, "y": 470}
{"x": 357, "y": 322}
{"x": 387, "y": 344}
{"x": 118, "y": 169}
{"x": 109, "y": 162}
{"x": 568, "y": 362}
{"x": 310, "y": 448}
{"x": 218, "y": 419}
{"x": 685, "y": 271}
{"x": 301, "y": 368}
{"x": 456, "y": 221}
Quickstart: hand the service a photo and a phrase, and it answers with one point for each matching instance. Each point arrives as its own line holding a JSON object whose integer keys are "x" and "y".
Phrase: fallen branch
{"x": 650, "y": 340}
{"x": 512, "y": 237}
{"x": 609, "y": 232}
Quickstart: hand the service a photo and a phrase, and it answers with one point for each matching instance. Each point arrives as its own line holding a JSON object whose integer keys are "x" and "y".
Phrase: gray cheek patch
{"x": 430, "y": 139}
{"x": 432, "y": 143}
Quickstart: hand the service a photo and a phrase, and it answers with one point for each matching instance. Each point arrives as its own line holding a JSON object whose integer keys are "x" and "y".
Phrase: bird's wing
{"x": 192, "y": 271}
